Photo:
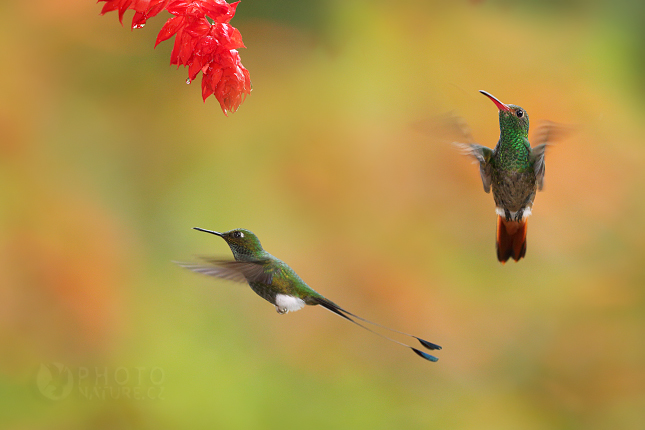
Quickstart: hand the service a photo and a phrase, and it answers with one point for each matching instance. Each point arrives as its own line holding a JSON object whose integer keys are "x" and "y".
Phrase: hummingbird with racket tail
{"x": 515, "y": 172}
{"x": 277, "y": 283}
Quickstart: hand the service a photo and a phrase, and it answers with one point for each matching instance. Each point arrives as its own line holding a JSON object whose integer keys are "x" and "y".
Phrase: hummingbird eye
{"x": 519, "y": 113}
{"x": 238, "y": 234}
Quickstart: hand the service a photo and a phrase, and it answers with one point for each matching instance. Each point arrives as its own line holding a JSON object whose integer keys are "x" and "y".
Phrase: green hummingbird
{"x": 279, "y": 284}
{"x": 515, "y": 172}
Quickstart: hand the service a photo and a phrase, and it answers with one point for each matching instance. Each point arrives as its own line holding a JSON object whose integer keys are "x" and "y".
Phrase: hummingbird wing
{"x": 450, "y": 127}
{"x": 445, "y": 127}
{"x": 481, "y": 154}
{"x": 537, "y": 155}
{"x": 549, "y": 132}
{"x": 238, "y": 271}
{"x": 546, "y": 134}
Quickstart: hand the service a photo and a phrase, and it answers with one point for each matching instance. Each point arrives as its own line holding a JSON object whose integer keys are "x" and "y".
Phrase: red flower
{"x": 230, "y": 85}
{"x": 199, "y": 44}
{"x": 144, "y": 9}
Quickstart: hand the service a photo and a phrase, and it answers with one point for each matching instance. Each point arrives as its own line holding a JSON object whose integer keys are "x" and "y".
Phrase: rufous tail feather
{"x": 511, "y": 239}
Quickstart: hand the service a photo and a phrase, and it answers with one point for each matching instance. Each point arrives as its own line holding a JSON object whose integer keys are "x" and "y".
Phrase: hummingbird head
{"x": 512, "y": 119}
{"x": 243, "y": 243}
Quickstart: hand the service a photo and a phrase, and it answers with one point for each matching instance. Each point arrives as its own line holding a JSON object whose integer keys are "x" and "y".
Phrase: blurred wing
{"x": 537, "y": 154}
{"x": 238, "y": 271}
{"x": 549, "y": 132}
{"x": 546, "y": 134}
{"x": 483, "y": 155}
{"x": 446, "y": 127}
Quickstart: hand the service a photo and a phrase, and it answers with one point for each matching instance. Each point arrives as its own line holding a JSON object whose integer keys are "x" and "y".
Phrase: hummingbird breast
{"x": 513, "y": 179}
{"x": 284, "y": 283}
{"x": 513, "y": 191}
{"x": 264, "y": 291}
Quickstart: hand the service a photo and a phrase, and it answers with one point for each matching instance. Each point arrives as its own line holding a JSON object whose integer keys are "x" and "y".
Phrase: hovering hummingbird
{"x": 515, "y": 172}
{"x": 277, "y": 283}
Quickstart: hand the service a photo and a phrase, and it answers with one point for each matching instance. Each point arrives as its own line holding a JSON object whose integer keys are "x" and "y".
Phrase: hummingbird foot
{"x": 510, "y": 216}
{"x": 281, "y": 311}
{"x": 519, "y": 215}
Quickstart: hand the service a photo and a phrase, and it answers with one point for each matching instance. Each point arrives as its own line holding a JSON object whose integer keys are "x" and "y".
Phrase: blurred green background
{"x": 107, "y": 159}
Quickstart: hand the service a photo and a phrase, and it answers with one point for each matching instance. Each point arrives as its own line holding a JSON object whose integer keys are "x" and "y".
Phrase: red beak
{"x": 500, "y": 105}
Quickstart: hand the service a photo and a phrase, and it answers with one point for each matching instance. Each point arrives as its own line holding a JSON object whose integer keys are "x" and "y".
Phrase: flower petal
{"x": 229, "y": 36}
{"x": 171, "y": 27}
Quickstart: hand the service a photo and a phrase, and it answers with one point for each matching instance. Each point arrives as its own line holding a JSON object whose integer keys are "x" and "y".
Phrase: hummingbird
{"x": 279, "y": 284}
{"x": 515, "y": 172}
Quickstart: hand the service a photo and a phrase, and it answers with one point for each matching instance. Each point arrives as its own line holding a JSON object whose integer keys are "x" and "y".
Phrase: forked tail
{"x": 511, "y": 239}
{"x": 333, "y": 307}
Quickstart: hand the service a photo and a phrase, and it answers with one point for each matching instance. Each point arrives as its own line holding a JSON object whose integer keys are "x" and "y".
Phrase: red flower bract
{"x": 200, "y": 45}
{"x": 144, "y": 9}
{"x": 230, "y": 84}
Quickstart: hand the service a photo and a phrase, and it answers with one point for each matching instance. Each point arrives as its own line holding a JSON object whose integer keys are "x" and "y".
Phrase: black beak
{"x": 216, "y": 233}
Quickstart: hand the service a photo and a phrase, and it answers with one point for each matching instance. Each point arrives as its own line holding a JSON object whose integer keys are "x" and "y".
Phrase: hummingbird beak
{"x": 500, "y": 105}
{"x": 216, "y": 233}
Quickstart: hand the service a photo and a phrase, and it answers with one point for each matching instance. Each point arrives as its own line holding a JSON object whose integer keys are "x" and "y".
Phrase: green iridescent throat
{"x": 513, "y": 149}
